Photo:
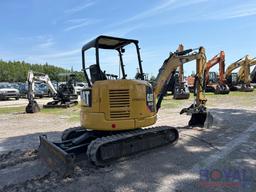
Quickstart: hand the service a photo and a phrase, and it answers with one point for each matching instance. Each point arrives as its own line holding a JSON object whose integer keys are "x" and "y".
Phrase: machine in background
{"x": 232, "y": 79}
{"x": 213, "y": 82}
{"x": 245, "y": 77}
{"x": 115, "y": 110}
{"x": 61, "y": 97}
{"x": 253, "y": 77}
{"x": 65, "y": 95}
{"x": 179, "y": 86}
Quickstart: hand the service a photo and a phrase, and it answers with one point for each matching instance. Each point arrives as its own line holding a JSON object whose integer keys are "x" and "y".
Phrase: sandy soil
{"x": 221, "y": 158}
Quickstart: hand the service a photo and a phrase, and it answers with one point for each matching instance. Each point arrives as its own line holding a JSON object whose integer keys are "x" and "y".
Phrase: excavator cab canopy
{"x": 213, "y": 77}
{"x": 110, "y": 43}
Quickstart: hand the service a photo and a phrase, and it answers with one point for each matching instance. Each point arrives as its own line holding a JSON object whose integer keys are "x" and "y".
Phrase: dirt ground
{"x": 220, "y": 158}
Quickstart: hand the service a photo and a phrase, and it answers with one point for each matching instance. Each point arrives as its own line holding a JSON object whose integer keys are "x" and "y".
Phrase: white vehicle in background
{"x": 8, "y": 91}
{"x": 80, "y": 86}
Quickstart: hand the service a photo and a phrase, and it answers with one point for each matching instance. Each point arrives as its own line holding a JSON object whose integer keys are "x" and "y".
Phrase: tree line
{"x": 16, "y": 71}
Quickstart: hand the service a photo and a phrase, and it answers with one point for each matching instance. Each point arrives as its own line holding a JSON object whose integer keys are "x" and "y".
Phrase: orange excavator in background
{"x": 213, "y": 82}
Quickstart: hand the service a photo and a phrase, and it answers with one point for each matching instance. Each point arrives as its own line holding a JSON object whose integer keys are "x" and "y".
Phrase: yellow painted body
{"x": 116, "y": 105}
{"x": 244, "y": 71}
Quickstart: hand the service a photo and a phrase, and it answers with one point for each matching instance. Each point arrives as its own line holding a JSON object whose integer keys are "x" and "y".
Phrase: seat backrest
{"x": 96, "y": 73}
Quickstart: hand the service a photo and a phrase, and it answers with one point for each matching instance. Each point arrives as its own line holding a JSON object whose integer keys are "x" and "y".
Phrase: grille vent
{"x": 119, "y": 103}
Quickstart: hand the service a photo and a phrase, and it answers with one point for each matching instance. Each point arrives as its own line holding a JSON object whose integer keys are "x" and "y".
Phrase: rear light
{"x": 150, "y": 99}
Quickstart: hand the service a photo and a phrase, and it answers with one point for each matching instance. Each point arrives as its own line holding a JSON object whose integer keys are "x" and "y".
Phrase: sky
{"x": 55, "y": 31}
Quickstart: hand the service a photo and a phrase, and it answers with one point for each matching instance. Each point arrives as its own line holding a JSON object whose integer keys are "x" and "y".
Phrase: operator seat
{"x": 96, "y": 73}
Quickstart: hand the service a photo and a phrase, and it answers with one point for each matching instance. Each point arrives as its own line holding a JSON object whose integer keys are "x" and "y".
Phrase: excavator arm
{"x": 219, "y": 87}
{"x": 179, "y": 87}
{"x": 220, "y": 58}
{"x": 170, "y": 65}
{"x": 46, "y": 79}
{"x": 244, "y": 75}
{"x": 32, "y": 106}
{"x": 235, "y": 65}
{"x": 166, "y": 72}
{"x": 244, "y": 72}
{"x": 198, "y": 111}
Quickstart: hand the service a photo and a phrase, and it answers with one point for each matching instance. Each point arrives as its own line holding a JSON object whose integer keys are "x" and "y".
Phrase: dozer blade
{"x": 56, "y": 158}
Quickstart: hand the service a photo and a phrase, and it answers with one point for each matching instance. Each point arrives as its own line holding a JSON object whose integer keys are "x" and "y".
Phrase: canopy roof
{"x": 107, "y": 42}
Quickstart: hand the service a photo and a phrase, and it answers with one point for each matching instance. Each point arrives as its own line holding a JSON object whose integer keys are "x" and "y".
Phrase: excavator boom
{"x": 167, "y": 71}
{"x": 243, "y": 74}
{"x": 200, "y": 116}
{"x": 197, "y": 110}
{"x": 218, "y": 86}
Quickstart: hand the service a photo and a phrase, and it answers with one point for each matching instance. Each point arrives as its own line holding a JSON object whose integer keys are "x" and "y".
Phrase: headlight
{"x": 2, "y": 91}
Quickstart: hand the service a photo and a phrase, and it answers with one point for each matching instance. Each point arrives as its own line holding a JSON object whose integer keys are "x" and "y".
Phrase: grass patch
{"x": 72, "y": 114}
{"x": 232, "y": 93}
{"x": 169, "y": 102}
{"x": 55, "y": 111}
{"x": 8, "y": 110}
{"x": 60, "y": 111}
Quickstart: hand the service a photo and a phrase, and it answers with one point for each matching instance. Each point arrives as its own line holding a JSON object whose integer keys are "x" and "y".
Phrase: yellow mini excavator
{"x": 115, "y": 110}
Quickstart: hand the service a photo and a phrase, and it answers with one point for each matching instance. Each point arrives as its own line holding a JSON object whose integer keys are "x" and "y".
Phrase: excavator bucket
{"x": 32, "y": 107}
{"x": 56, "y": 158}
{"x": 246, "y": 88}
{"x": 201, "y": 119}
{"x": 221, "y": 89}
{"x": 200, "y": 116}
